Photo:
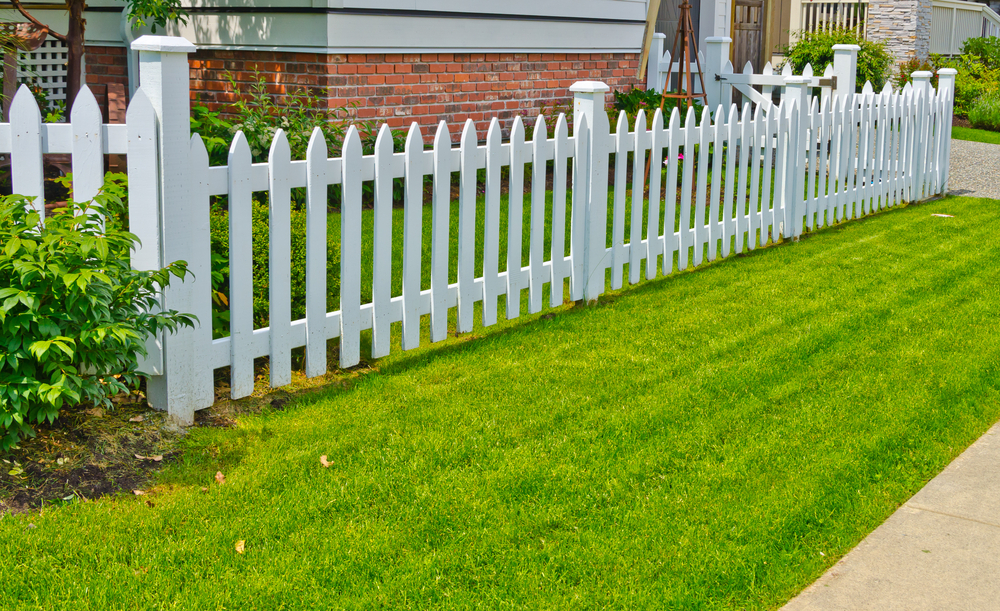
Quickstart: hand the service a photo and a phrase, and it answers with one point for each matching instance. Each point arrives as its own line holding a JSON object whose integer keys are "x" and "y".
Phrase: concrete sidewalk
{"x": 940, "y": 550}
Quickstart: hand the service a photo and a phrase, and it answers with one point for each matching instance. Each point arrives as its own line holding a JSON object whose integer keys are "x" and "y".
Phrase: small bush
{"x": 648, "y": 100}
{"x": 74, "y": 315}
{"x": 907, "y": 68}
{"x": 986, "y": 49}
{"x": 985, "y": 113}
{"x": 975, "y": 80}
{"x": 816, "y": 48}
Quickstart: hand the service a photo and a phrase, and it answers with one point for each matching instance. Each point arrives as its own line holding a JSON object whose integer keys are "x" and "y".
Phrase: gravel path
{"x": 975, "y": 169}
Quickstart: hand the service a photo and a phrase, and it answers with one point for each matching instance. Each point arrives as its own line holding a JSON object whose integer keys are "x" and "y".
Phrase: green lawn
{"x": 975, "y": 135}
{"x": 712, "y": 440}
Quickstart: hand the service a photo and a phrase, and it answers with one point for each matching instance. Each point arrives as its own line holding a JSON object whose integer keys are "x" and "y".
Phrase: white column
{"x": 186, "y": 384}
{"x": 589, "y": 100}
{"x": 946, "y": 85}
{"x": 653, "y": 65}
{"x": 845, "y": 68}
{"x": 716, "y": 56}
{"x": 922, "y": 95}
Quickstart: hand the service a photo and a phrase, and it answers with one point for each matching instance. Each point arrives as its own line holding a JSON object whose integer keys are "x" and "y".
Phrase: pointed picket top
{"x": 469, "y": 135}
{"x": 384, "y": 135}
{"x": 814, "y": 107}
{"x": 442, "y": 138}
{"x": 517, "y": 128}
{"x": 199, "y": 154}
{"x": 24, "y": 101}
{"x": 808, "y": 71}
{"x": 562, "y": 128}
{"x": 658, "y": 118}
{"x": 279, "y": 151}
{"x": 786, "y": 70}
{"x": 906, "y": 88}
{"x": 139, "y": 108}
{"x": 768, "y": 69}
{"x": 675, "y": 118}
{"x": 85, "y": 106}
{"x": 727, "y": 68}
{"x": 867, "y": 89}
{"x": 414, "y": 138}
{"x": 494, "y": 129}
{"x": 706, "y": 117}
{"x": 824, "y": 105}
{"x": 240, "y": 147}
{"x": 719, "y": 114}
{"x": 689, "y": 117}
{"x": 828, "y": 71}
{"x": 747, "y": 108}
{"x": 748, "y": 68}
{"x": 641, "y": 115}
{"x": 701, "y": 57}
{"x": 887, "y": 89}
{"x": 758, "y": 109}
{"x": 541, "y": 130}
{"x": 622, "y": 130}
{"x": 317, "y": 144}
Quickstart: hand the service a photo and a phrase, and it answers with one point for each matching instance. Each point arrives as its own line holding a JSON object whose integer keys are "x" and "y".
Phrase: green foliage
{"x": 816, "y": 48}
{"x": 907, "y": 68}
{"x": 986, "y": 49}
{"x": 219, "y": 223}
{"x": 648, "y": 100}
{"x": 985, "y": 113}
{"x": 155, "y": 13}
{"x": 975, "y": 80}
{"x": 74, "y": 315}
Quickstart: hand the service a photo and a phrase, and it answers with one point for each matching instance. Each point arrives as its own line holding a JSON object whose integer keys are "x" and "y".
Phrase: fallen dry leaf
{"x": 946, "y": 216}
{"x": 136, "y": 419}
{"x": 220, "y": 478}
{"x": 203, "y": 489}
{"x": 240, "y": 546}
{"x": 138, "y": 492}
{"x": 156, "y": 458}
{"x": 323, "y": 461}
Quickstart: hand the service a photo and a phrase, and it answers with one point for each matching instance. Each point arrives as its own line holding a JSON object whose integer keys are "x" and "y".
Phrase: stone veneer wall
{"x": 904, "y": 24}
{"x": 399, "y": 89}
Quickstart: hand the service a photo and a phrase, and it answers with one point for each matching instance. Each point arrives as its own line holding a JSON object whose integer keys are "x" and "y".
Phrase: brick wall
{"x": 401, "y": 88}
{"x": 104, "y": 66}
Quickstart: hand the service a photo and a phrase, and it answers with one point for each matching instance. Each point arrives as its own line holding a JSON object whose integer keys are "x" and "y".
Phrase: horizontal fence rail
{"x": 718, "y": 186}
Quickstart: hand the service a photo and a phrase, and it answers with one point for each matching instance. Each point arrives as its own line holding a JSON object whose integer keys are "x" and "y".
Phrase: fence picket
{"x": 753, "y": 212}
{"x": 812, "y": 153}
{"x": 517, "y": 278}
{"x": 26, "y": 171}
{"x": 578, "y": 210}
{"x": 317, "y": 181}
{"x": 440, "y": 219}
{"x": 684, "y": 238}
{"x": 240, "y": 268}
{"x": 88, "y": 147}
{"x": 279, "y": 259}
{"x": 781, "y": 170}
{"x": 670, "y": 238}
{"x": 382, "y": 319}
{"x": 727, "y": 224}
{"x": 767, "y": 196}
{"x": 350, "y": 250}
{"x": 468, "y": 291}
{"x": 492, "y": 287}
{"x": 653, "y": 213}
{"x": 541, "y": 150}
{"x": 413, "y": 204}
{"x": 623, "y": 144}
{"x": 559, "y": 266}
{"x": 746, "y": 135}
{"x": 705, "y": 131}
{"x": 643, "y": 141}
{"x": 715, "y": 227}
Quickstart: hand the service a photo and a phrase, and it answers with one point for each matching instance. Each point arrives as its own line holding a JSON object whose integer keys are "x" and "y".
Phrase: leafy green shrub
{"x": 73, "y": 313}
{"x": 219, "y": 223}
{"x": 816, "y": 48}
{"x": 975, "y": 80}
{"x": 986, "y": 49}
{"x": 907, "y": 68}
{"x": 985, "y": 113}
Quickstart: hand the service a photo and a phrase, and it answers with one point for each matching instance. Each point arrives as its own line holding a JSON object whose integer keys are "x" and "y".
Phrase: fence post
{"x": 186, "y": 384}
{"x": 716, "y": 56}
{"x": 797, "y": 93}
{"x": 946, "y": 85}
{"x": 845, "y": 68}
{"x": 921, "y": 90}
{"x": 588, "y": 100}
{"x": 653, "y": 64}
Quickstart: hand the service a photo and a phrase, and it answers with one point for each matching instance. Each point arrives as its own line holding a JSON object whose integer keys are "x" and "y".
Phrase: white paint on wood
{"x": 317, "y": 182}
{"x": 88, "y": 149}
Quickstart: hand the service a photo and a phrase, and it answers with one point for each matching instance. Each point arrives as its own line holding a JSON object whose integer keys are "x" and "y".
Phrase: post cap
{"x": 947, "y": 72}
{"x": 589, "y": 87}
{"x": 718, "y": 39}
{"x": 163, "y": 44}
{"x": 659, "y": 35}
{"x": 922, "y": 75}
{"x": 846, "y": 47}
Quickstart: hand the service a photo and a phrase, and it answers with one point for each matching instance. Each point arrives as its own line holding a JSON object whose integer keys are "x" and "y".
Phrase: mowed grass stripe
{"x": 712, "y": 440}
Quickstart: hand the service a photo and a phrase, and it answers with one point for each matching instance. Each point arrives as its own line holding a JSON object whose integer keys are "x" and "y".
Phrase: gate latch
{"x": 828, "y": 82}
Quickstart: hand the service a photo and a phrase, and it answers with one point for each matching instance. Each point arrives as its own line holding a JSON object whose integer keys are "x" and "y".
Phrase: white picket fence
{"x": 831, "y": 160}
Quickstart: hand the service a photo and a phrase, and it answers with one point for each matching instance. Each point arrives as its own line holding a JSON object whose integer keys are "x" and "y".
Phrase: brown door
{"x": 748, "y": 34}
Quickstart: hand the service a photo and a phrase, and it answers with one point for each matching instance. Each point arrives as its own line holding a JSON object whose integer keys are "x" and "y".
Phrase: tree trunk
{"x": 74, "y": 40}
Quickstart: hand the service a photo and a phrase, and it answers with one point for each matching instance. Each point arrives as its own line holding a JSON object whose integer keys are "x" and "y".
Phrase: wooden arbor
{"x": 688, "y": 50}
